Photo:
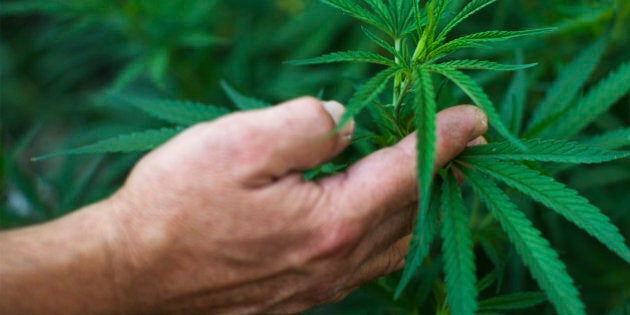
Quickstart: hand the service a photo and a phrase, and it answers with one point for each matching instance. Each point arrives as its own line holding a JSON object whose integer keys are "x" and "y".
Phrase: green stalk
{"x": 398, "y": 77}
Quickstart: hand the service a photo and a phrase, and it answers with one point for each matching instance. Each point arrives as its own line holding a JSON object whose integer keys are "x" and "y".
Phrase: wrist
{"x": 61, "y": 267}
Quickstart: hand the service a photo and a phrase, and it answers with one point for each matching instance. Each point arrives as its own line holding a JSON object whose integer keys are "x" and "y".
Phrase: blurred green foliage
{"x": 60, "y": 61}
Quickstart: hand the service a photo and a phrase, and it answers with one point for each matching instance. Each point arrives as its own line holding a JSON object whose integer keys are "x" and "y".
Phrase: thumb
{"x": 296, "y": 135}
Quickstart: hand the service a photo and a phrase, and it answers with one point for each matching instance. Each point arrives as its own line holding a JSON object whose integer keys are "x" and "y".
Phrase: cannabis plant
{"x": 419, "y": 49}
{"x": 418, "y": 63}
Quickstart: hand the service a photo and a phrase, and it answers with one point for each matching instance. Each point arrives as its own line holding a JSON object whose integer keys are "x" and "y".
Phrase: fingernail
{"x": 336, "y": 111}
{"x": 477, "y": 141}
{"x": 481, "y": 124}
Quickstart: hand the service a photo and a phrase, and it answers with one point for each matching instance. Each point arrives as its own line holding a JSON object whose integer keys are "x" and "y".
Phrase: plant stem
{"x": 398, "y": 77}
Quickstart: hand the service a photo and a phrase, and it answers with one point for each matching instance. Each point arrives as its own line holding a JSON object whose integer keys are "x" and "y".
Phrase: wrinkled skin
{"x": 219, "y": 221}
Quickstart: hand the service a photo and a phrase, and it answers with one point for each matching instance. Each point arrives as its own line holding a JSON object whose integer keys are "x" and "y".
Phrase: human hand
{"x": 219, "y": 220}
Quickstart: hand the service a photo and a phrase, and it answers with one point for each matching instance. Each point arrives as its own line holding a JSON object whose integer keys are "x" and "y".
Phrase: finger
{"x": 478, "y": 141}
{"x": 386, "y": 180}
{"x": 388, "y": 261}
{"x": 384, "y": 235}
{"x": 297, "y": 135}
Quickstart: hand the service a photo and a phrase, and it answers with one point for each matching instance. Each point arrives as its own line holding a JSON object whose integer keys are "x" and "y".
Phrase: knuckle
{"x": 314, "y": 113}
{"x": 336, "y": 241}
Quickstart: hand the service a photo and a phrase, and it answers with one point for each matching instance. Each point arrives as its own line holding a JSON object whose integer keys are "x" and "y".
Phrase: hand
{"x": 219, "y": 221}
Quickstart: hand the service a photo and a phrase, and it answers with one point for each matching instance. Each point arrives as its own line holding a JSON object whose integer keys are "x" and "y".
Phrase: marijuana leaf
{"x": 347, "y": 56}
{"x": 422, "y": 237}
{"x": 426, "y": 112}
{"x": 567, "y": 86}
{"x": 599, "y": 99}
{"x": 182, "y": 113}
{"x": 459, "y": 264}
{"x": 559, "y": 151}
{"x": 465, "y": 64}
{"x": 477, "y": 95}
{"x": 367, "y": 93}
{"x": 537, "y": 254}
{"x": 135, "y": 142}
{"x": 558, "y": 197}
{"x": 241, "y": 101}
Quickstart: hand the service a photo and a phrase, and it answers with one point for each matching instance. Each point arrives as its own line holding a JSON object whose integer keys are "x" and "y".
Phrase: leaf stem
{"x": 398, "y": 78}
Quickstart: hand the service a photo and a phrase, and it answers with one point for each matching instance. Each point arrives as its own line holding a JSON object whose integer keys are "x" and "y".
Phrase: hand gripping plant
{"x": 418, "y": 51}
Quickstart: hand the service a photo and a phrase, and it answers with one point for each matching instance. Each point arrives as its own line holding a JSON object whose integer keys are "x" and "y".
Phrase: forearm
{"x": 62, "y": 267}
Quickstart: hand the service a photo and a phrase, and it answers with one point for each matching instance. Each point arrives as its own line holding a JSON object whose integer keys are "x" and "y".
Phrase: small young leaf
{"x": 597, "y": 101}
{"x": 511, "y": 302}
{"x": 367, "y": 93}
{"x": 559, "y": 151}
{"x": 359, "y": 12}
{"x": 346, "y": 56}
{"x": 567, "y": 86}
{"x": 459, "y": 264}
{"x": 465, "y": 64}
{"x": 471, "y": 8}
{"x": 135, "y": 142}
{"x": 177, "y": 112}
{"x": 474, "y": 91}
{"x": 536, "y": 252}
{"x": 565, "y": 201}
{"x": 379, "y": 41}
{"x": 241, "y": 101}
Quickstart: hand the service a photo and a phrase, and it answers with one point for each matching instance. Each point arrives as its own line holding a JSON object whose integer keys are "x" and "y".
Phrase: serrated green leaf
{"x": 347, "y": 56}
{"x": 177, "y": 112}
{"x": 611, "y": 140}
{"x": 403, "y": 11}
{"x": 471, "y": 8}
{"x": 357, "y": 11}
{"x": 367, "y": 93}
{"x": 474, "y": 91}
{"x": 511, "y": 302}
{"x": 129, "y": 74}
{"x": 513, "y": 106}
{"x": 241, "y": 101}
{"x": 158, "y": 66}
{"x": 135, "y": 142}
{"x": 599, "y": 99}
{"x": 535, "y": 251}
{"x": 474, "y": 40}
{"x": 559, "y": 151}
{"x": 486, "y": 281}
{"x": 424, "y": 232}
{"x": 491, "y": 36}
{"x": 466, "y": 64}
{"x": 459, "y": 264}
{"x": 556, "y": 196}
{"x": 379, "y": 41}
{"x": 567, "y": 86}
{"x": 380, "y": 9}
{"x": 426, "y": 115}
